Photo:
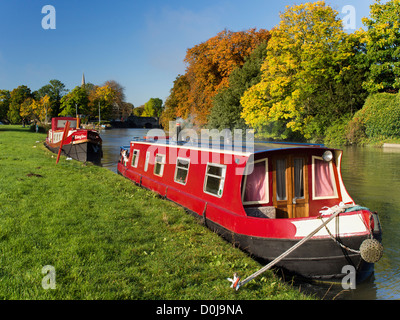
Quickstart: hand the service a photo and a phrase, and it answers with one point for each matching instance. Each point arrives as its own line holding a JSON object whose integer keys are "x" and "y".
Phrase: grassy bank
{"x": 105, "y": 237}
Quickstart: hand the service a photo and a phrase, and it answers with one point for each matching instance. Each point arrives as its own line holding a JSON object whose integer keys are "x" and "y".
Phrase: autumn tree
{"x": 210, "y": 63}
{"x": 176, "y": 105}
{"x": 383, "y": 47}
{"x": 27, "y": 109}
{"x": 120, "y": 109}
{"x": 308, "y": 63}
{"x": 45, "y": 109}
{"x": 126, "y": 109}
{"x": 226, "y": 110}
{"x": 36, "y": 110}
{"x": 102, "y": 99}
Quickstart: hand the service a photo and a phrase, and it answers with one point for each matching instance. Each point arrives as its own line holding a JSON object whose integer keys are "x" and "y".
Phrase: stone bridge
{"x": 137, "y": 122}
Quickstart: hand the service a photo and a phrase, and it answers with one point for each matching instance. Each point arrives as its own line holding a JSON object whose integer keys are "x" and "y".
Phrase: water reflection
{"x": 112, "y": 141}
{"x": 372, "y": 177}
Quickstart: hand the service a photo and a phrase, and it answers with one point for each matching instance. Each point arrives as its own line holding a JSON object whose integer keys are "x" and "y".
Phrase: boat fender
{"x": 204, "y": 215}
{"x": 166, "y": 192}
{"x": 235, "y": 281}
{"x": 125, "y": 157}
{"x": 371, "y": 250}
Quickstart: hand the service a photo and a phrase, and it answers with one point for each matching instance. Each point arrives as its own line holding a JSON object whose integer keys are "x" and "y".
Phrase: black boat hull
{"x": 317, "y": 259}
{"x": 84, "y": 152}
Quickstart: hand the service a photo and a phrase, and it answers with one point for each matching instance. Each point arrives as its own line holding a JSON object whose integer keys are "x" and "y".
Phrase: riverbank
{"x": 105, "y": 237}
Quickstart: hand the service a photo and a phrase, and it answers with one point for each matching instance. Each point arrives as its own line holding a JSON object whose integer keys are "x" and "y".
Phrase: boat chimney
{"x": 178, "y": 131}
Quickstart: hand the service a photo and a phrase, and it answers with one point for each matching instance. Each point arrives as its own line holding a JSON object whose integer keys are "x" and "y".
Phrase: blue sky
{"x": 140, "y": 44}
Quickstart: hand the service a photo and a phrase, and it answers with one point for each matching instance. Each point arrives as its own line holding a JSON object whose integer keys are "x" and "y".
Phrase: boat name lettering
{"x": 80, "y": 136}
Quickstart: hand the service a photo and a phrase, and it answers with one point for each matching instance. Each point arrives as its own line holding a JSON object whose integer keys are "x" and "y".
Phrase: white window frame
{"x": 136, "y": 157}
{"x": 177, "y": 168}
{"x": 222, "y": 179}
{"x": 266, "y": 183}
{"x": 333, "y": 180}
{"x": 162, "y": 163}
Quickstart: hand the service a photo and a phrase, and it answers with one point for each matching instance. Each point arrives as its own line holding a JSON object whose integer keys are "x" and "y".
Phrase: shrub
{"x": 355, "y": 131}
{"x": 336, "y": 134}
{"x": 42, "y": 128}
{"x": 380, "y": 116}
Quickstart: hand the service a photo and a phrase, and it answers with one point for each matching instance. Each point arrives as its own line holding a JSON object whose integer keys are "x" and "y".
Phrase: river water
{"x": 372, "y": 178}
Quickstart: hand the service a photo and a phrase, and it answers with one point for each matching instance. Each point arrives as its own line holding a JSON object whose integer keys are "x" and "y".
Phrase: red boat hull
{"x": 265, "y": 238}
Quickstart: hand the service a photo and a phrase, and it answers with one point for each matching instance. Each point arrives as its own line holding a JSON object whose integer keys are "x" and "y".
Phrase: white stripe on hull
{"x": 344, "y": 225}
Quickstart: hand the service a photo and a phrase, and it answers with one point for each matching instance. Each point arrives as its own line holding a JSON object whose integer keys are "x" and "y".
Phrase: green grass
{"x": 106, "y": 237}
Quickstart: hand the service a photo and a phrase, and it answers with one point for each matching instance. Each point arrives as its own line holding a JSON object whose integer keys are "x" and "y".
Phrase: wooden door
{"x": 290, "y": 186}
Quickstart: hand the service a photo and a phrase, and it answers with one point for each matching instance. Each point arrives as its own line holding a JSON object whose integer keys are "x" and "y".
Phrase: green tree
{"x": 75, "y": 100}
{"x": 5, "y": 98}
{"x": 153, "y": 108}
{"x": 17, "y": 97}
{"x": 138, "y": 111}
{"x": 226, "y": 110}
{"x": 308, "y": 63}
{"x": 383, "y": 47}
{"x": 55, "y": 90}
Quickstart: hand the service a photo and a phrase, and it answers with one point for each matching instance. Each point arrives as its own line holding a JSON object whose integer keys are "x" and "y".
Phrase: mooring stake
{"x": 64, "y": 137}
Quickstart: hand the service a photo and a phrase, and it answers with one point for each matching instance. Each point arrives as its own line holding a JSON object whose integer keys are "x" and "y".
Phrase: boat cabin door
{"x": 290, "y": 186}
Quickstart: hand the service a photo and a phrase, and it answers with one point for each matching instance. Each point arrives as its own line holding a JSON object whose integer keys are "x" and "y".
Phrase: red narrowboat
{"x": 264, "y": 201}
{"x": 81, "y": 144}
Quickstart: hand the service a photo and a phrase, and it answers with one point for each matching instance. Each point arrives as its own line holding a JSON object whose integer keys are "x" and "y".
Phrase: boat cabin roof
{"x": 246, "y": 149}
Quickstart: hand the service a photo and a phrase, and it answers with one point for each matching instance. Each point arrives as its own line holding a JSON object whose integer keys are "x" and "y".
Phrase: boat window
{"x": 159, "y": 165}
{"x": 298, "y": 178}
{"x": 324, "y": 186}
{"x": 256, "y": 184}
{"x": 214, "y": 179}
{"x": 281, "y": 179}
{"x": 61, "y": 123}
{"x": 146, "y": 164}
{"x": 181, "y": 170}
{"x": 135, "y": 158}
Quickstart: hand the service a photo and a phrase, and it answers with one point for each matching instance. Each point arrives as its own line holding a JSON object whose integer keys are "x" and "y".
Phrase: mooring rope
{"x": 328, "y": 210}
{"x": 237, "y": 284}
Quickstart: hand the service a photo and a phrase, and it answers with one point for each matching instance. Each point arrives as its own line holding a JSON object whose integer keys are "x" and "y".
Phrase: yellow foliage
{"x": 305, "y": 49}
{"x": 32, "y": 109}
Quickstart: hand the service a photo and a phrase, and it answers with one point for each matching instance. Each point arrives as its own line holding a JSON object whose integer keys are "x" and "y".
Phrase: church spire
{"x": 83, "y": 80}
